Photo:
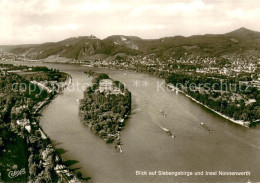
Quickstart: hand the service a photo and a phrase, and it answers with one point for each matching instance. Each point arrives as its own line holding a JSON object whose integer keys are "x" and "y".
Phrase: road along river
{"x": 230, "y": 148}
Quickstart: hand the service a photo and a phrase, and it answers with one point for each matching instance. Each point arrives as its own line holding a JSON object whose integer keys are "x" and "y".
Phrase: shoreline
{"x": 47, "y": 101}
{"x": 239, "y": 122}
{"x": 61, "y": 169}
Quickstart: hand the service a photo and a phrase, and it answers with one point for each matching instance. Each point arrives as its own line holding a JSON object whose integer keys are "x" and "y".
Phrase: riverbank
{"x": 240, "y": 122}
{"x": 40, "y": 162}
{"x": 61, "y": 170}
{"x": 61, "y": 87}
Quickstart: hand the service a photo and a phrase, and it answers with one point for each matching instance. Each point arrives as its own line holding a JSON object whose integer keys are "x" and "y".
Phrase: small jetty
{"x": 171, "y": 134}
{"x": 205, "y": 127}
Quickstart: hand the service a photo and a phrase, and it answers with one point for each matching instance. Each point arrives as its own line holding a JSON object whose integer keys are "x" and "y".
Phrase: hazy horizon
{"x": 35, "y": 21}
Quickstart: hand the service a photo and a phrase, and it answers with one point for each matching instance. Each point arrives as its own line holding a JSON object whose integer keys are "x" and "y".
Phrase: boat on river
{"x": 163, "y": 113}
{"x": 171, "y": 134}
{"x": 205, "y": 127}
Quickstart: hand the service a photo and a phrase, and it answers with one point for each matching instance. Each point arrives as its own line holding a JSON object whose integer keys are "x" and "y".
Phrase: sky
{"x": 38, "y": 21}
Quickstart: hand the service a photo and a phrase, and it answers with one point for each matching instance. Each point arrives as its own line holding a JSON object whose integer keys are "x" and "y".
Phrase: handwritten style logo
{"x": 16, "y": 173}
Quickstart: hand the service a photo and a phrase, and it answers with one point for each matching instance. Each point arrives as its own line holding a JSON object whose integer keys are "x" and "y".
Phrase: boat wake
{"x": 171, "y": 134}
{"x": 205, "y": 127}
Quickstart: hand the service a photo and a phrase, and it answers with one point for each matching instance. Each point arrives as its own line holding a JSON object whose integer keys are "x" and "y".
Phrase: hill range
{"x": 238, "y": 41}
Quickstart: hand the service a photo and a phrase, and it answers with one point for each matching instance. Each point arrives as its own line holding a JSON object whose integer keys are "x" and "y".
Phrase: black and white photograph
{"x": 137, "y": 91}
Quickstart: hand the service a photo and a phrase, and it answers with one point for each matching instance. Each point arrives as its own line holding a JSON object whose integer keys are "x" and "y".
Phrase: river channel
{"x": 146, "y": 146}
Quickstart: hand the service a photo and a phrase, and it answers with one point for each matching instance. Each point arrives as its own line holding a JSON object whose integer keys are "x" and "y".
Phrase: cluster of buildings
{"x": 46, "y": 155}
{"x": 63, "y": 171}
{"x": 107, "y": 85}
{"x": 205, "y": 64}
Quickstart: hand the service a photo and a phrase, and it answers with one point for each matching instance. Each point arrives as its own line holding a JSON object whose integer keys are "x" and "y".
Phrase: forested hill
{"x": 91, "y": 47}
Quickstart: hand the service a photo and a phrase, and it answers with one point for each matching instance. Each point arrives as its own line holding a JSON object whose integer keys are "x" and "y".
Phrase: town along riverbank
{"x": 104, "y": 108}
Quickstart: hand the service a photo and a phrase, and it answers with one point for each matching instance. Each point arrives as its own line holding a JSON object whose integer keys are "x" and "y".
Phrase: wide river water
{"x": 146, "y": 146}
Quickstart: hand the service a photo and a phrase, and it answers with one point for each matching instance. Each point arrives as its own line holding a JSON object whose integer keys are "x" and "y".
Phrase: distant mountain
{"x": 90, "y": 47}
{"x": 244, "y": 33}
{"x": 75, "y": 47}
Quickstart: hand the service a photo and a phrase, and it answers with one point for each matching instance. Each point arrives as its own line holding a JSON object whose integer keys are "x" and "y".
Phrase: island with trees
{"x": 104, "y": 108}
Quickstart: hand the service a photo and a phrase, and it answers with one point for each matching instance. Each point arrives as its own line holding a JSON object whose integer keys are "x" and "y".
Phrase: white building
{"x": 25, "y": 123}
{"x": 105, "y": 85}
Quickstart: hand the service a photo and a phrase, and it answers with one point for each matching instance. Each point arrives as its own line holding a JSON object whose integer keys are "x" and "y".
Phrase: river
{"x": 146, "y": 146}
